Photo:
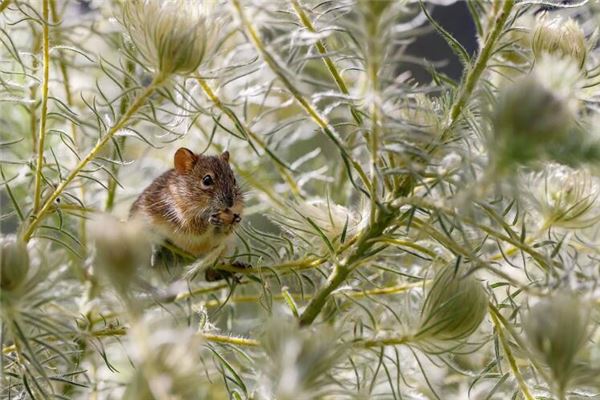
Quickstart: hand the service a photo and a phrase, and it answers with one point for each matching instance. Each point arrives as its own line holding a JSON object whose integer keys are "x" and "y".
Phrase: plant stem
{"x": 474, "y": 72}
{"x": 69, "y": 98}
{"x": 238, "y": 341}
{"x": 300, "y": 99}
{"x": 509, "y": 356}
{"x": 391, "y": 341}
{"x": 320, "y": 46}
{"x": 279, "y": 165}
{"x": 44, "y": 109}
{"x": 4, "y": 4}
{"x": 343, "y": 270}
{"x": 135, "y": 106}
{"x": 112, "y": 183}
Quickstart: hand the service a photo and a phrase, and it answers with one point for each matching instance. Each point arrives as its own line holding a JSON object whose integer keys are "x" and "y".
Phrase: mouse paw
{"x": 241, "y": 265}
{"x": 216, "y": 220}
{"x": 214, "y": 274}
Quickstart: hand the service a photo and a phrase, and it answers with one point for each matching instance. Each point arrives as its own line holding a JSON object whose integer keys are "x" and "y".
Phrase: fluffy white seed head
{"x": 170, "y": 35}
{"x": 557, "y": 37}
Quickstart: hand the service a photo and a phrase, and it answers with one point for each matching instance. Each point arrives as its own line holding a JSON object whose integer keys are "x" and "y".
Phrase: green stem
{"x": 474, "y": 73}
{"x": 137, "y": 104}
{"x": 44, "y": 110}
{"x": 278, "y": 164}
{"x": 343, "y": 270}
{"x": 320, "y": 46}
{"x": 300, "y": 99}
{"x": 509, "y": 356}
{"x": 470, "y": 80}
{"x": 222, "y": 339}
{"x": 112, "y": 183}
{"x": 390, "y": 341}
{"x": 69, "y": 98}
{"x": 4, "y": 4}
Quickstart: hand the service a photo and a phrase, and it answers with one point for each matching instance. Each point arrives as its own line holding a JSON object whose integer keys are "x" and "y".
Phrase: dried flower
{"x": 171, "y": 35}
{"x": 554, "y": 36}
{"x": 14, "y": 262}
{"x": 453, "y": 309}
{"x": 557, "y": 328}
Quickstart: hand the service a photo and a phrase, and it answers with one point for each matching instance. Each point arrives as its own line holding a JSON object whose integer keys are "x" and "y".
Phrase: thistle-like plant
{"x": 369, "y": 170}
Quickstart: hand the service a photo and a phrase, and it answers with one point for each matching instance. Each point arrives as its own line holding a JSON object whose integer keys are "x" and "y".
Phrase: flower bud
{"x": 121, "y": 248}
{"x": 14, "y": 262}
{"x": 453, "y": 309}
{"x": 564, "y": 39}
{"x": 298, "y": 360}
{"x": 375, "y": 7}
{"x": 528, "y": 118}
{"x": 557, "y": 329}
{"x": 171, "y": 35}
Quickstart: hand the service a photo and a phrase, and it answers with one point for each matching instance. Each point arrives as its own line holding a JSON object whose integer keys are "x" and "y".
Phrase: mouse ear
{"x": 184, "y": 160}
{"x": 225, "y": 156}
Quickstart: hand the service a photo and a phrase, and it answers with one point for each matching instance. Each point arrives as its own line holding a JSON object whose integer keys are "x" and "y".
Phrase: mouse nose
{"x": 229, "y": 201}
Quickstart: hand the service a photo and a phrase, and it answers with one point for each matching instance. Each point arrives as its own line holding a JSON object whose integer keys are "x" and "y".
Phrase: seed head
{"x": 453, "y": 309}
{"x": 557, "y": 328}
{"x": 121, "y": 248}
{"x": 14, "y": 263}
{"x": 556, "y": 37}
{"x": 170, "y": 35}
{"x": 528, "y": 118}
{"x": 298, "y": 361}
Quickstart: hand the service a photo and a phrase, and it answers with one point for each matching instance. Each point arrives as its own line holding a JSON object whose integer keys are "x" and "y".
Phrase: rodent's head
{"x": 208, "y": 188}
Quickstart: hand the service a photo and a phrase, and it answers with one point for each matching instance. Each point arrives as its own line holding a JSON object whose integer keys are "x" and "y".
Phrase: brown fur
{"x": 192, "y": 216}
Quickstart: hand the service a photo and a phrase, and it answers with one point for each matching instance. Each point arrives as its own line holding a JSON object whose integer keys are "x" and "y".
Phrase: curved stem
{"x": 135, "y": 106}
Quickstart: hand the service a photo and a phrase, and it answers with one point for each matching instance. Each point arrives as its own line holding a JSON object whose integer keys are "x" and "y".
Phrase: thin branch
{"x": 135, "y": 106}
{"x": 44, "y": 108}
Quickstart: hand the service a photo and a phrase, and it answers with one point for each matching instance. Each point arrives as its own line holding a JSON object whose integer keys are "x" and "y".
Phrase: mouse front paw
{"x": 213, "y": 274}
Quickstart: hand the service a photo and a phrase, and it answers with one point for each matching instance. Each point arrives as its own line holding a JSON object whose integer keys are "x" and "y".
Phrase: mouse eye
{"x": 207, "y": 180}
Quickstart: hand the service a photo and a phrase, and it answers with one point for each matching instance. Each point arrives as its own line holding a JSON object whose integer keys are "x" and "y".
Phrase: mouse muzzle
{"x": 225, "y": 217}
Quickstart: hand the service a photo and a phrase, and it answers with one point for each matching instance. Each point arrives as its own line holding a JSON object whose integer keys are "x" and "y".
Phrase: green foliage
{"x": 406, "y": 239}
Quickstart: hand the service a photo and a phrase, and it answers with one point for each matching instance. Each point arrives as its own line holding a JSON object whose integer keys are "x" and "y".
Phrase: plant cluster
{"x": 407, "y": 240}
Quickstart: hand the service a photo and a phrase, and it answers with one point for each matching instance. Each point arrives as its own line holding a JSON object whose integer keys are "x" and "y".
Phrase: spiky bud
{"x": 453, "y": 309}
{"x": 14, "y": 262}
{"x": 557, "y": 328}
{"x": 170, "y": 35}
{"x": 121, "y": 248}
{"x": 528, "y": 118}
{"x": 298, "y": 360}
{"x": 556, "y": 37}
{"x": 566, "y": 197}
